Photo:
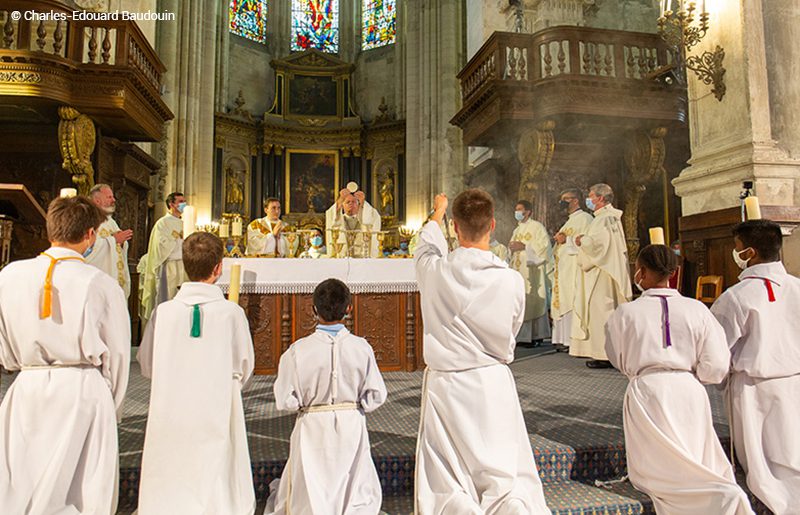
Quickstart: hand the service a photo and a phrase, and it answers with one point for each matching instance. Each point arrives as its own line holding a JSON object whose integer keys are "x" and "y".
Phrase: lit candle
{"x": 235, "y": 283}
{"x": 188, "y": 221}
{"x": 753, "y": 208}
{"x": 223, "y": 229}
{"x": 237, "y": 227}
{"x": 657, "y": 236}
{"x": 68, "y": 192}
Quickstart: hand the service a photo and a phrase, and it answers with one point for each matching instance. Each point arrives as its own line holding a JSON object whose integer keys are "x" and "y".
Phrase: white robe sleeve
{"x": 373, "y": 391}
{"x": 536, "y": 250}
{"x": 243, "y": 354}
{"x": 145, "y": 354}
{"x": 729, "y": 314}
{"x": 431, "y": 248}
{"x": 287, "y": 398}
{"x": 614, "y": 333}
{"x": 713, "y": 356}
{"x": 519, "y": 306}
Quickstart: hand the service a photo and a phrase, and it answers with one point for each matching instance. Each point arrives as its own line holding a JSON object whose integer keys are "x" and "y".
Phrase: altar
{"x": 276, "y": 295}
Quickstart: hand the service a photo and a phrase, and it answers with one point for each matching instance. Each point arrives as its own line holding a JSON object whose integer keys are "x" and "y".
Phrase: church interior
{"x": 685, "y": 109}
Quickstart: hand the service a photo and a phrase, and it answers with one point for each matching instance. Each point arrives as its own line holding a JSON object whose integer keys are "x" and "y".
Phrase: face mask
{"x": 590, "y": 204}
{"x": 563, "y": 204}
{"x": 404, "y": 246}
{"x": 737, "y": 256}
{"x": 677, "y": 252}
{"x": 181, "y": 207}
{"x": 88, "y": 250}
{"x": 519, "y": 215}
{"x": 316, "y": 241}
{"x": 639, "y": 282}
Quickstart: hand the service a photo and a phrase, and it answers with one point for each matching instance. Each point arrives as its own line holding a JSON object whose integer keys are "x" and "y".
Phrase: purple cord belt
{"x": 665, "y": 320}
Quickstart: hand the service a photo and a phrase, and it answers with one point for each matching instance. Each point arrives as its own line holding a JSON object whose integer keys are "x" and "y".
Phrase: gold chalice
{"x": 350, "y": 236}
{"x": 337, "y": 246}
{"x": 291, "y": 238}
{"x": 380, "y": 236}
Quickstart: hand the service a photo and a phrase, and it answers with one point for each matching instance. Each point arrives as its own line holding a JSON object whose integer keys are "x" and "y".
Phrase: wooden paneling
{"x": 380, "y": 318}
{"x": 263, "y": 313}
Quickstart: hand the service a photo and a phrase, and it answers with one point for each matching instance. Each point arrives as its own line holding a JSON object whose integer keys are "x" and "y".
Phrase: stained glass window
{"x": 377, "y": 23}
{"x": 248, "y": 18}
{"x": 315, "y": 24}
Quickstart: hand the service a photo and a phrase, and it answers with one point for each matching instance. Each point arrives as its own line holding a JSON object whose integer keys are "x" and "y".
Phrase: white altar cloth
{"x": 279, "y": 276}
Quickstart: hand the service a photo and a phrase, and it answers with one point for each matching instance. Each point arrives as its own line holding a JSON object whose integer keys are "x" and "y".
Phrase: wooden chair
{"x": 708, "y": 280}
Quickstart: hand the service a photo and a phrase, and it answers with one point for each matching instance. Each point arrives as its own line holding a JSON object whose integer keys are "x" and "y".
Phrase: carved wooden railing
{"x": 562, "y": 52}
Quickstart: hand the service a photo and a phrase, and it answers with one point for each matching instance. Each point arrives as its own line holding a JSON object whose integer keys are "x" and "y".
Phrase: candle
{"x": 752, "y": 208}
{"x": 235, "y": 283}
{"x": 188, "y": 221}
{"x": 237, "y": 227}
{"x": 223, "y": 229}
{"x": 657, "y": 236}
{"x": 68, "y": 192}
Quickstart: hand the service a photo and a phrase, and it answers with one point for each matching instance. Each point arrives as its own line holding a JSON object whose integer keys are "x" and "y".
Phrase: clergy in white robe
{"x": 498, "y": 249}
{"x": 566, "y": 272}
{"x": 352, "y": 212}
{"x": 110, "y": 251}
{"x": 198, "y": 353}
{"x": 265, "y": 235}
{"x": 605, "y": 282}
{"x": 531, "y": 253}
{"x": 669, "y": 346}
{"x": 473, "y": 451}
{"x": 164, "y": 271}
{"x": 331, "y": 379}
{"x": 70, "y": 340}
{"x": 761, "y": 322}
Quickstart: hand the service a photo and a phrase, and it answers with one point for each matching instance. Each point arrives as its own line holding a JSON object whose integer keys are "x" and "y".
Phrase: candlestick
{"x": 657, "y": 236}
{"x": 235, "y": 283}
{"x": 223, "y": 229}
{"x": 188, "y": 217}
{"x": 753, "y": 208}
{"x": 236, "y": 227}
{"x": 68, "y": 192}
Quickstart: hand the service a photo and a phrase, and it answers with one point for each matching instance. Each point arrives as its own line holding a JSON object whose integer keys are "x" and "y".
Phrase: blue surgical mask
{"x": 677, "y": 252}
{"x": 181, "y": 207}
{"x": 316, "y": 241}
{"x": 519, "y": 215}
{"x": 590, "y": 204}
{"x": 403, "y": 246}
{"x": 88, "y": 250}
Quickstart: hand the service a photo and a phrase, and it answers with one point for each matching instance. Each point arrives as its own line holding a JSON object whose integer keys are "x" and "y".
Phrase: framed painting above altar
{"x": 314, "y": 96}
{"x": 312, "y": 180}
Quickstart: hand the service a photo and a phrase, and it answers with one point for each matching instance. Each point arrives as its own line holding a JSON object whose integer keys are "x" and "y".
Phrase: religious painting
{"x": 312, "y": 180}
{"x": 313, "y": 96}
{"x": 315, "y": 24}
{"x": 234, "y": 184}
{"x": 384, "y": 186}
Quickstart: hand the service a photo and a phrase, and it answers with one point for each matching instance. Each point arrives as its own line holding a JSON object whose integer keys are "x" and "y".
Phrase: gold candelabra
{"x": 678, "y": 29}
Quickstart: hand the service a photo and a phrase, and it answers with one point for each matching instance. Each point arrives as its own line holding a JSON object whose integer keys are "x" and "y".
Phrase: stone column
{"x": 754, "y": 132}
{"x": 435, "y": 53}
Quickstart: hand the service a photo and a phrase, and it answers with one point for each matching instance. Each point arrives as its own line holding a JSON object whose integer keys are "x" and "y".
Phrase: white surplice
{"x": 195, "y": 459}
{"x": 330, "y": 468}
{"x": 566, "y": 273}
{"x": 163, "y": 270}
{"x": 674, "y": 454}
{"x": 764, "y": 386}
{"x": 367, "y": 219}
{"x": 473, "y": 451}
{"x": 111, "y": 257}
{"x": 532, "y": 263}
{"x": 260, "y": 239}
{"x": 58, "y": 420}
{"x": 603, "y": 284}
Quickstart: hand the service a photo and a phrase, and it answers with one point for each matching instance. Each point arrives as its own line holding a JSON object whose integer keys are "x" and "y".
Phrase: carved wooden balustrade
{"x": 105, "y": 69}
{"x": 563, "y": 71}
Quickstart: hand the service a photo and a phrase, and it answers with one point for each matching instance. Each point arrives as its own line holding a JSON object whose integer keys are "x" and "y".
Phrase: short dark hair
{"x": 331, "y": 299}
{"x": 658, "y": 259}
{"x": 202, "y": 251}
{"x": 524, "y": 203}
{"x": 171, "y": 197}
{"x": 270, "y": 200}
{"x": 473, "y": 209}
{"x": 762, "y": 235}
{"x": 575, "y": 192}
{"x": 69, "y": 219}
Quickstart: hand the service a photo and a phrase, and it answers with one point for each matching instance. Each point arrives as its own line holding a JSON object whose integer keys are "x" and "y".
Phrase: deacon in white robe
{"x": 760, "y": 317}
{"x": 110, "y": 251}
{"x": 352, "y": 212}
{"x": 58, "y": 420}
{"x": 605, "y": 282}
{"x": 331, "y": 379}
{"x": 674, "y": 454}
{"x": 164, "y": 271}
{"x": 265, "y": 235}
{"x": 566, "y": 272}
{"x": 531, "y": 253}
{"x": 195, "y": 459}
{"x": 473, "y": 451}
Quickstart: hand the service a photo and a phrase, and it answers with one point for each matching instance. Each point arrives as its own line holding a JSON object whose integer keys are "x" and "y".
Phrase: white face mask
{"x": 741, "y": 263}
{"x": 638, "y": 283}
{"x": 519, "y": 215}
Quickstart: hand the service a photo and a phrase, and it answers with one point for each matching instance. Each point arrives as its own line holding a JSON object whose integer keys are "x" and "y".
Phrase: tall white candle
{"x": 235, "y": 283}
{"x": 223, "y": 229}
{"x": 68, "y": 192}
{"x": 657, "y": 236}
{"x": 237, "y": 227}
{"x": 188, "y": 217}
{"x": 753, "y": 208}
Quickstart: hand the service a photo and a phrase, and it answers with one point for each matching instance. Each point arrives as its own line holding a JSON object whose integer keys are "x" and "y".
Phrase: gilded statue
{"x": 234, "y": 188}
{"x": 387, "y": 194}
